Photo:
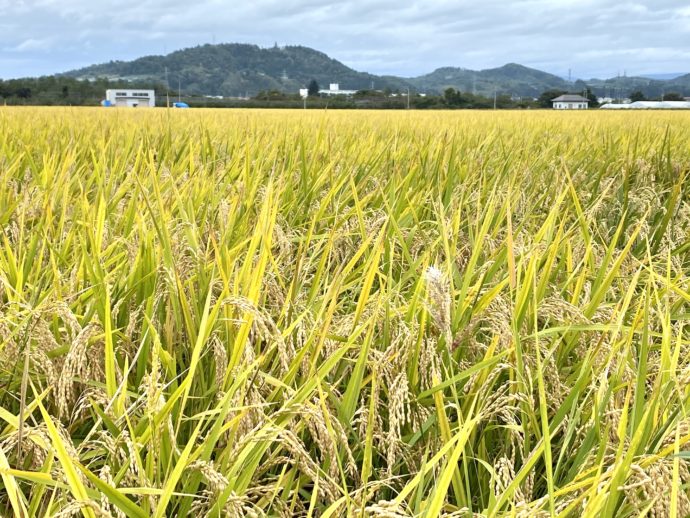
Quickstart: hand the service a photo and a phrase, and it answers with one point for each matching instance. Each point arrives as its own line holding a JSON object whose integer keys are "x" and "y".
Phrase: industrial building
{"x": 130, "y": 98}
{"x": 334, "y": 89}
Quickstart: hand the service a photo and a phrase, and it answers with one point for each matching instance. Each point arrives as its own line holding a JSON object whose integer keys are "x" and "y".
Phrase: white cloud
{"x": 31, "y": 44}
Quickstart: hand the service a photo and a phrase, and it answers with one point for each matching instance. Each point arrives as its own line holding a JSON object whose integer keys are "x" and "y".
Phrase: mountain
{"x": 663, "y": 77}
{"x": 679, "y": 84}
{"x": 622, "y": 86}
{"x": 509, "y": 79}
{"x": 234, "y": 69}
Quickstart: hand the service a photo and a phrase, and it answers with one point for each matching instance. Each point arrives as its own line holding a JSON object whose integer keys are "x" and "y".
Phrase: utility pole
{"x": 408, "y": 97}
{"x": 179, "y": 91}
{"x": 494, "y": 99}
{"x": 167, "y": 89}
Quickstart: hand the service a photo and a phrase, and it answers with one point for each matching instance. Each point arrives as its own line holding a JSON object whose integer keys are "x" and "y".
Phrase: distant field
{"x": 290, "y": 313}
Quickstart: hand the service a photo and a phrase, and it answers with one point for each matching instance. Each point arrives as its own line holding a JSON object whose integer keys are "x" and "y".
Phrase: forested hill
{"x": 509, "y": 79}
{"x": 234, "y": 69}
{"x": 239, "y": 69}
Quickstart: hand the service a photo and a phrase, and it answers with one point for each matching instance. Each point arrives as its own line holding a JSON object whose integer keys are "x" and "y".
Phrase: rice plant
{"x": 321, "y": 314}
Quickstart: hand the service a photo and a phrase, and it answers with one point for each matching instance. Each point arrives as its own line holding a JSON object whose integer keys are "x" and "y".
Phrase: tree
{"x": 546, "y": 97}
{"x": 313, "y": 88}
{"x": 672, "y": 96}
{"x": 637, "y": 95}
{"x": 453, "y": 97}
{"x": 24, "y": 92}
{"x": 593, "y": 101}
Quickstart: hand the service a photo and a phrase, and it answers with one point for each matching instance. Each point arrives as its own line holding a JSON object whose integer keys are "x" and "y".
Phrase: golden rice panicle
{"x": 344, "y": 313}
{"x": 439, "y": 300}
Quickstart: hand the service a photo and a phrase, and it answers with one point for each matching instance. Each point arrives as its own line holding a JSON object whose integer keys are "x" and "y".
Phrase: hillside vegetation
{"x": 511, "y": 78}
{"x": 233, "y": 69}
{"x": 264, "y": 313}
{"x": 239, "y": 69}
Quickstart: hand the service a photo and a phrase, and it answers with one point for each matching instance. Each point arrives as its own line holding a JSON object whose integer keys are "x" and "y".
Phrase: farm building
{"x": 570, "y": 102}
{"x": 131, "y": 98}
{"x": 334, "y": 89}
{"x": 649, "y": 105}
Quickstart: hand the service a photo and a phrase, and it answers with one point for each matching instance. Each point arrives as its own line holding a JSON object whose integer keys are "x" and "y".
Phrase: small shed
{"x": 570, "y": 102}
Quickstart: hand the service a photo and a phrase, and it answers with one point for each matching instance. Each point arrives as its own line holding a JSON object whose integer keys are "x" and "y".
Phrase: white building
{"x": 570, "y": 102}
{"x": 334, "y": 89}
{"x": 131, "y": 98}
{"x": 607, "y": 100}
{"x": 649, "y": 105}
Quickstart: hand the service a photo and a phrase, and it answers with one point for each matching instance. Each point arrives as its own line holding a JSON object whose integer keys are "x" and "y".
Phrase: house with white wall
{"x": 570, "y": 102}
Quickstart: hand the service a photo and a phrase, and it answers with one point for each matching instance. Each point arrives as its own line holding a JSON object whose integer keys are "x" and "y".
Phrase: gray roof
{"x": 570, "y": 98}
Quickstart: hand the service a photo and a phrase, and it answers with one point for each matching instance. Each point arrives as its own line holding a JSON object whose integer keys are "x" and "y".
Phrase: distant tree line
{"x": 62, "y": 91}
{"x": 390, "y": 99}
{"x": 67, "y": 91}
{"x": 638, "y": 95}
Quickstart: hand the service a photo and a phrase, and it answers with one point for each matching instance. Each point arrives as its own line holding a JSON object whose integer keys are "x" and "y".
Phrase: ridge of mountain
{"x": 239, "y": 69}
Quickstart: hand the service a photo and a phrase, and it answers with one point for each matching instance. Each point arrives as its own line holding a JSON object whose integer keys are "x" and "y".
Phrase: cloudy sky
{"x": 594, "y": 39}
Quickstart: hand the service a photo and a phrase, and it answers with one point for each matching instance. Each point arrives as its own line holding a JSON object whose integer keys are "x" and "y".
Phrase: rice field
{"x": 324, "y": 314}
